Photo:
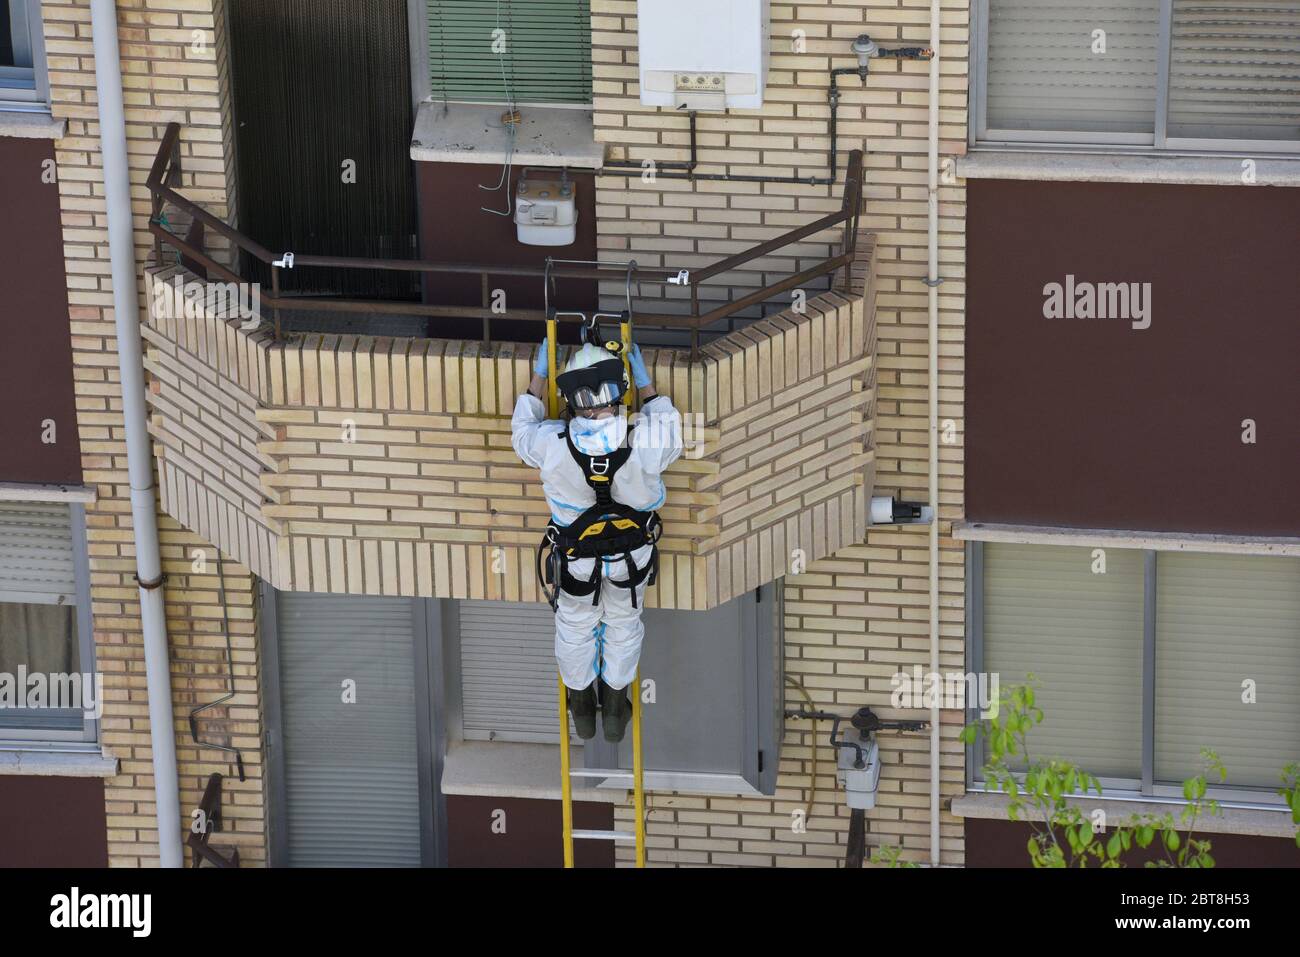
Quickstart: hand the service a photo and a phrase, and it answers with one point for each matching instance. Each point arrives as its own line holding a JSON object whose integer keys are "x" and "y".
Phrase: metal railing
{"x": 165, "y": 176}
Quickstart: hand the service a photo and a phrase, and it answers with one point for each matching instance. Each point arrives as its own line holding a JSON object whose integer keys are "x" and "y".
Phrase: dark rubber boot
{"x": 582, "y": 705}
{"x": 615, "y": 711}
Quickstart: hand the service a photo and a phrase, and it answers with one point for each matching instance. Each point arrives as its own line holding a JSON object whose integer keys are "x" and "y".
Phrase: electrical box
{"x": 860, "y": 783}
{"x": 546, "y": 210}
{"x": 703, "y": 54}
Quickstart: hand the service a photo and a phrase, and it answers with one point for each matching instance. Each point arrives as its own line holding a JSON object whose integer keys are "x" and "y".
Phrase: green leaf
{"x": 1114, "y": 846}
{"x": 1172, "y": 840}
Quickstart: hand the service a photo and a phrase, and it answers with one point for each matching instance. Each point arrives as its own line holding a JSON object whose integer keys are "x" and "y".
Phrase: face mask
{"x": 599, "y": 436}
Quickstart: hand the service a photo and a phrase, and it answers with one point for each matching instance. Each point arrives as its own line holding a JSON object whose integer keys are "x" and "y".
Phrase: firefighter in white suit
{"x": 603, "y": 480}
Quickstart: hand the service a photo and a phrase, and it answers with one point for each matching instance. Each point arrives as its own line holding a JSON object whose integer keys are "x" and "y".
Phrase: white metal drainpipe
{"x": 126, "y": 306}
{"x": 933, "y": 276}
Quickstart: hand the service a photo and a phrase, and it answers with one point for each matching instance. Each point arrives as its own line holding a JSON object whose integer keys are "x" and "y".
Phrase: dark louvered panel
{"x": 322, "y": 87}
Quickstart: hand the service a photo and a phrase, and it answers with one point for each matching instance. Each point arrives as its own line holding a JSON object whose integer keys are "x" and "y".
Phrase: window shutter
{"x": 1235, "y": 70}
{"x": 1221, "y": 620}
{"x": 547, "y": 55}
{"x": 1080, "y": 635}
{"x": 36, "y": 554}
{"x": 508, "y": 671}
{"x": 1042, "y": 73}
{"x": 351, "y": 774}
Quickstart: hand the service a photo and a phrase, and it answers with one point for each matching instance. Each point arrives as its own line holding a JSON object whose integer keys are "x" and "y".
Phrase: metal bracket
{"x": 152, "y": 583}
{"x": 286, "y": 262}
{"x": 934, "y": 282}
{"x": 683, "y": 278}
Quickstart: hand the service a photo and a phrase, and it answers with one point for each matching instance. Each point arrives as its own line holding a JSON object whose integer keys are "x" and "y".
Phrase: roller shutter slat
{"x": 1222, "y": 619}
{"x": 36, "y": 554}
{"x": 548, "y": 50}
{"x": 351, "y": 770}
{"x": 1080, "y": 635}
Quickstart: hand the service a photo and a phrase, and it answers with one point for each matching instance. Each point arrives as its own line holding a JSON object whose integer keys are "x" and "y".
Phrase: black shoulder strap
{"x": 599, "y": 470}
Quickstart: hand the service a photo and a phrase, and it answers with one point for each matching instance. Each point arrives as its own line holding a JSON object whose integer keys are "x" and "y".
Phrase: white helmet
{"x": 593, "y": 377}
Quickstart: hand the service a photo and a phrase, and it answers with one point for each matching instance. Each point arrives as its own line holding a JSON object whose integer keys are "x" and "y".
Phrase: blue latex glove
{"x": 639, "y": 374}
{"x": 539, "y": 364}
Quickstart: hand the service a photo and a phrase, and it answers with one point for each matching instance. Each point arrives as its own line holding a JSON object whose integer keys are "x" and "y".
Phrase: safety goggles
{"x": 596, "y": 386}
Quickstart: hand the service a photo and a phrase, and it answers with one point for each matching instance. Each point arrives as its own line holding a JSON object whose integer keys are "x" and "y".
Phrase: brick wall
{"x": 170, "y": 72}
{"x": 854, "y": 619}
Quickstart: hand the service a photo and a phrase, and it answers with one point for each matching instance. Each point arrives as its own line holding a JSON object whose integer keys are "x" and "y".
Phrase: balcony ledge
{"x": 383, "y": 466}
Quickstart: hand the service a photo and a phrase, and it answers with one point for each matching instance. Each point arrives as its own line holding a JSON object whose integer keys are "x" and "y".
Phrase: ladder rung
{"x": 603, "y": 835}
{"x": 599, "y": 773}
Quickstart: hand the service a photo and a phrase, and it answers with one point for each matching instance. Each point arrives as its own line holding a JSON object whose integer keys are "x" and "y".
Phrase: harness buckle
{"x": 600, "y": 466}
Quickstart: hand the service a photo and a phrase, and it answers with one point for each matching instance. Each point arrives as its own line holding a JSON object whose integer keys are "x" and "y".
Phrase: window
{"x": 1144, "y": 658}
{"x": 47, "y": 684}
{"x": 23, "y": 81}
{"x": 525, "y": 51}
{"x": 715, "y": 723}
{"x": 1182, "y": 75}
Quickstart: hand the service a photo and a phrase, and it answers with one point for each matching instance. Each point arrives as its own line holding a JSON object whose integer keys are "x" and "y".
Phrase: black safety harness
{"x": 608, "y": 529}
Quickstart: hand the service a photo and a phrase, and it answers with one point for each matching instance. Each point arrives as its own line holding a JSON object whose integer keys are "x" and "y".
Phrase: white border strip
{"x": 1156, "y": 541}
{"x": 21, "y": 492}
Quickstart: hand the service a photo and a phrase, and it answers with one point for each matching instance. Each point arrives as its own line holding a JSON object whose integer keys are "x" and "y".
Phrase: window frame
{"x": 761, "y": 679}
{"x": 26, "y": 739}
{"x": 427, "y": 667}
{"x": 1159, "y": 142}
{"x": 27, "y": 15}
{"x": 1144, "y": 788}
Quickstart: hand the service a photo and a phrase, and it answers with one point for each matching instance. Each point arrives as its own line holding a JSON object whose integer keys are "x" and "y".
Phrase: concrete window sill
{"x": 1119, "y": 538}
{"x": 35, "y": 126}
{"x": 513, "y": 770}
{"x": 474, "y": 133}
{"x": 64, "y": 764}
{"x": 23, "y": 492}
{"x": 1125, "y": 168}
{"x": 1252, "y": 822}
{"x": 508, "y": 769}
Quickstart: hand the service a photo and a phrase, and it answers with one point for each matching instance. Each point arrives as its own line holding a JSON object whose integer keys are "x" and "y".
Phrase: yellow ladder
{"x": 568, "y": 773}
{"x": 636, "y": 776}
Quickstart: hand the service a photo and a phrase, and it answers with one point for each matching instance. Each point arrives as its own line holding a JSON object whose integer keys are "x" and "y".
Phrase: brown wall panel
{"x": 454, "y": 228}
{"x": 52, "y": 822}
{"x": 1095, "y": 424}
{"x": 532, "y": 836}
{"x": 36, "y": 356}
{"x": 1002, "y": 844}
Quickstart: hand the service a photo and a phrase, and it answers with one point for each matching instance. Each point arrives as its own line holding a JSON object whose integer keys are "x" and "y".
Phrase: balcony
{"x": 381, "y": 465}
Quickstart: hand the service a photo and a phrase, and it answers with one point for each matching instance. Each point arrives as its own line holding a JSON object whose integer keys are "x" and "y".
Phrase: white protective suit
{"x": 602, "y": 639}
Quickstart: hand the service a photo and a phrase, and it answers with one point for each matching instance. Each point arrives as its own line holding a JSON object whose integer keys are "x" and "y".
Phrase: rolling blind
{"x": 36, "y": 554}
{"x": 508, "y": 674}
{"x": 351, "y": 772}
{"x": 1223, "y": 620}
{"x": 1235, "y": 70}
{"x": 1080, "y": 635}
{"x": 542, "y": 55}
{"x": 1042, "y": 73}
